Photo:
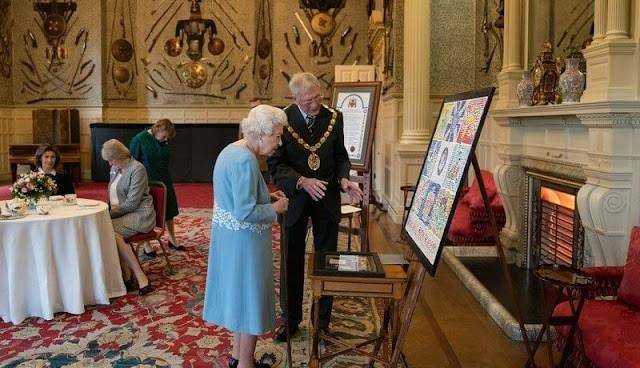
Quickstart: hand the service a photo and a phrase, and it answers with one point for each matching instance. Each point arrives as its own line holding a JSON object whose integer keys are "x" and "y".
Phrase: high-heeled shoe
{"x": 151, "y": 254}
{"x": 176, "y": 247}
{"x": 131, "y": 284}
{"x": 233, "y": 363}
{"x": 145, "y": 290}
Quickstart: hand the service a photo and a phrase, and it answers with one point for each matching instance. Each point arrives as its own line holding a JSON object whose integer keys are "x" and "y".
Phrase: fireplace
{"x": 554, "y": 230}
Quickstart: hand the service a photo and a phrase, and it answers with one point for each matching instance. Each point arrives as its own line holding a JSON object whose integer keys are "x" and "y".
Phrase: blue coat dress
{"x": 239, "y": 293}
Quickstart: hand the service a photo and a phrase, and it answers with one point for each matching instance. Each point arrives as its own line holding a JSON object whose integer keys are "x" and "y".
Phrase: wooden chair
{"x": 158, "y": 192}
{"x": 348, "y": 211}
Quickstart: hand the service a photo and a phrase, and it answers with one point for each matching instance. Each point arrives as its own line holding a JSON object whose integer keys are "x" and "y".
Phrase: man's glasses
{"x": 317, "y": 98}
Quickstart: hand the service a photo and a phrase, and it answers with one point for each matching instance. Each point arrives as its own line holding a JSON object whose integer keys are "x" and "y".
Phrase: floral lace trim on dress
{"x": 227, "y": 220}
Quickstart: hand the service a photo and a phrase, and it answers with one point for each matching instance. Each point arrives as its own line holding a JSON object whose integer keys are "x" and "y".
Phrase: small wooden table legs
{"x": 390, "y": 288}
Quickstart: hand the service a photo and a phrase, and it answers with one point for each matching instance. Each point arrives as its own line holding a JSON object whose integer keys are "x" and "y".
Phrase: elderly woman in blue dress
{"x": 239, "y": 291}
{"x": 130, "y": 206}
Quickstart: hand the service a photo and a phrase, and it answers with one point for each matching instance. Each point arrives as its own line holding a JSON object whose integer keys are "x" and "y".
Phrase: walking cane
{"x": 284, "y": 256}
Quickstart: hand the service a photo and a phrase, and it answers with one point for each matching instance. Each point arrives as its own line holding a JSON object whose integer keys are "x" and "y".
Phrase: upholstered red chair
{"x": 609, "y": 329}
{"x": 470, "y": 224}
{"x": 158, "y": 192}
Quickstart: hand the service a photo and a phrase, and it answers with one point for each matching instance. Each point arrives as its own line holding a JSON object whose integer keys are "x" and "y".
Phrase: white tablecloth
{"x": 58, "y": 262}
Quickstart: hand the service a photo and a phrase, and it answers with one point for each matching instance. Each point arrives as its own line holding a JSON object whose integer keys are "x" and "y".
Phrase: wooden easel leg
{"x": 416, "y": 276}
{"x": 503, "y": 259}
{"x": 382, "y": 337}
{"x": 314, "y": 359}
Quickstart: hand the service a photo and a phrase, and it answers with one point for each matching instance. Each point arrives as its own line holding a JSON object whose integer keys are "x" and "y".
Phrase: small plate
{"x": 12, "y": 217}
{"x": 87, "y": 203}
{"x": 56, "y": 198}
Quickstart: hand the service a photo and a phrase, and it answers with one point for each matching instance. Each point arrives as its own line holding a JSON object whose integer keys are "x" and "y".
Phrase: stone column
{"x": 608, "y": 59}
{"x": 512, "y": 60}
{"x": 599, "y": 20}
{"x": 417, "y": 120}
{"x": 510, "y": 74}
{"x": 508, "y": 173}
{"x": 618, "y": 14}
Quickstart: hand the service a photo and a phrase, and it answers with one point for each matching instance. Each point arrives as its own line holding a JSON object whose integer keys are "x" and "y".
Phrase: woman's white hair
{"x": 303, "y": 81}
{"x": 113, "y": 149}
{"x": 261, "y": 121}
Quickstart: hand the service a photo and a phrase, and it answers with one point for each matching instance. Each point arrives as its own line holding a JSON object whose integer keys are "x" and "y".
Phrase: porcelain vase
{"x": 525, "y": 90}
{"x": 571, "y": 83}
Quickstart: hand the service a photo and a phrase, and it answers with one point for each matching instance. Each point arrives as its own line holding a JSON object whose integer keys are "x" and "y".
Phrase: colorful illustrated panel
{"x": 438, "y": 163}
{"x": 471, "y": 120}
{"x": 443, "y": 120}
{"x": 429, "y": 168}
{"x": 444, "y": 168}
{"x": 457, "y": 163}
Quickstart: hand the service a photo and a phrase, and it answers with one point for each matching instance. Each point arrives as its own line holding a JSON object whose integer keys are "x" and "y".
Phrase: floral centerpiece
{"x": 32, "y": 187}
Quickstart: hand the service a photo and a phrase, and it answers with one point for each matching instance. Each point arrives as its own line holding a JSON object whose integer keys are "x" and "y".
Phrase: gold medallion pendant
{"x": 313, "y": 161}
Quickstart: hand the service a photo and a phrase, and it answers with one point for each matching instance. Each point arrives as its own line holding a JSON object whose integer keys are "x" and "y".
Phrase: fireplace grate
{"x": 556, "y": 234}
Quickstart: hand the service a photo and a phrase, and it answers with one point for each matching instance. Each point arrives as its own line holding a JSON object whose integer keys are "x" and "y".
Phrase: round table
{"x": 58, "y": 262}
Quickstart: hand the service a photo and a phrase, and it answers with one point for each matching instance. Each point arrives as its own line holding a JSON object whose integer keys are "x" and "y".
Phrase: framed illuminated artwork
{"x": 358, "y": 102}
{"x": 356, "y": 264}
{"x": 445, "y": 165}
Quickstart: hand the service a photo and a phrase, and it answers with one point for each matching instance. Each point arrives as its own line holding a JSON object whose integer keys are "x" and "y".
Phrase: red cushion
{"x": 474, "y": 197}
{"x": 629, "y": 290}
{"x": 464, "y": 230}
{"x": 150, "y": 235}
{"x": 610, "y": 332}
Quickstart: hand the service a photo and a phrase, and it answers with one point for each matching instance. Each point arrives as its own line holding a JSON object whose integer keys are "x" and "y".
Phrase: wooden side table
{"x": 391, "y": 288}
{"x": 561, "y": 281}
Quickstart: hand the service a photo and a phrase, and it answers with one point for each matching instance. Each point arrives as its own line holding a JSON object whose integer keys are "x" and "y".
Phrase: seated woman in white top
{"x": 130, "y": 205}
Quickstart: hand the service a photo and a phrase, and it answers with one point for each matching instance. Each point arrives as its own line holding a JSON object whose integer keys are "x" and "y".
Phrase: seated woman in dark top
{"x": 47, "y": 160}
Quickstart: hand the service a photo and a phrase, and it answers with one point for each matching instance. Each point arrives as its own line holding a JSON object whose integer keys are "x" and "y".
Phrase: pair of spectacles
{"x": 316, "y": 98}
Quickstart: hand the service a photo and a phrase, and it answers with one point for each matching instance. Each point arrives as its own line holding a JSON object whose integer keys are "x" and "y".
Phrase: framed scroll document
{"x": 447, "y": 160}
{"x": 358, "y": 102}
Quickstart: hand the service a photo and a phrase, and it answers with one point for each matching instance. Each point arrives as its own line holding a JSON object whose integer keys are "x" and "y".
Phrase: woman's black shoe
{"x": 233, "y": 362}
{"x": 151, "y": 254}
{"x": 131, "y": 284}
{"x": 145, "y": 290}
{"x": 176, "y": 247}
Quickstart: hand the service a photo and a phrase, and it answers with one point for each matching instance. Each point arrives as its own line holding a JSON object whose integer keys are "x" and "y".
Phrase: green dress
{"x": 155, "y": 157}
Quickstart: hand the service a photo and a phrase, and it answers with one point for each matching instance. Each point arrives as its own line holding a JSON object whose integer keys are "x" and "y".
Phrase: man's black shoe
{"x": 281, "y": 333}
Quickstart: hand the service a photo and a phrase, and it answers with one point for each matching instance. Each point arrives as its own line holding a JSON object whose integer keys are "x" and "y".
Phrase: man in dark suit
{"x": 311, "y": 168}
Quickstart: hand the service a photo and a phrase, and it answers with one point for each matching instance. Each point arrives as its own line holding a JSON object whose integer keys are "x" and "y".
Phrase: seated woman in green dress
{"x": 151, "y": 148}
{"x": 47, "y": 160}
{"x": 239, "y": 293}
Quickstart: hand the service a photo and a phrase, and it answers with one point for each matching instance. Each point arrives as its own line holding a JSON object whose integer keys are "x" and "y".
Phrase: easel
{"x": 417, "y": 273}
